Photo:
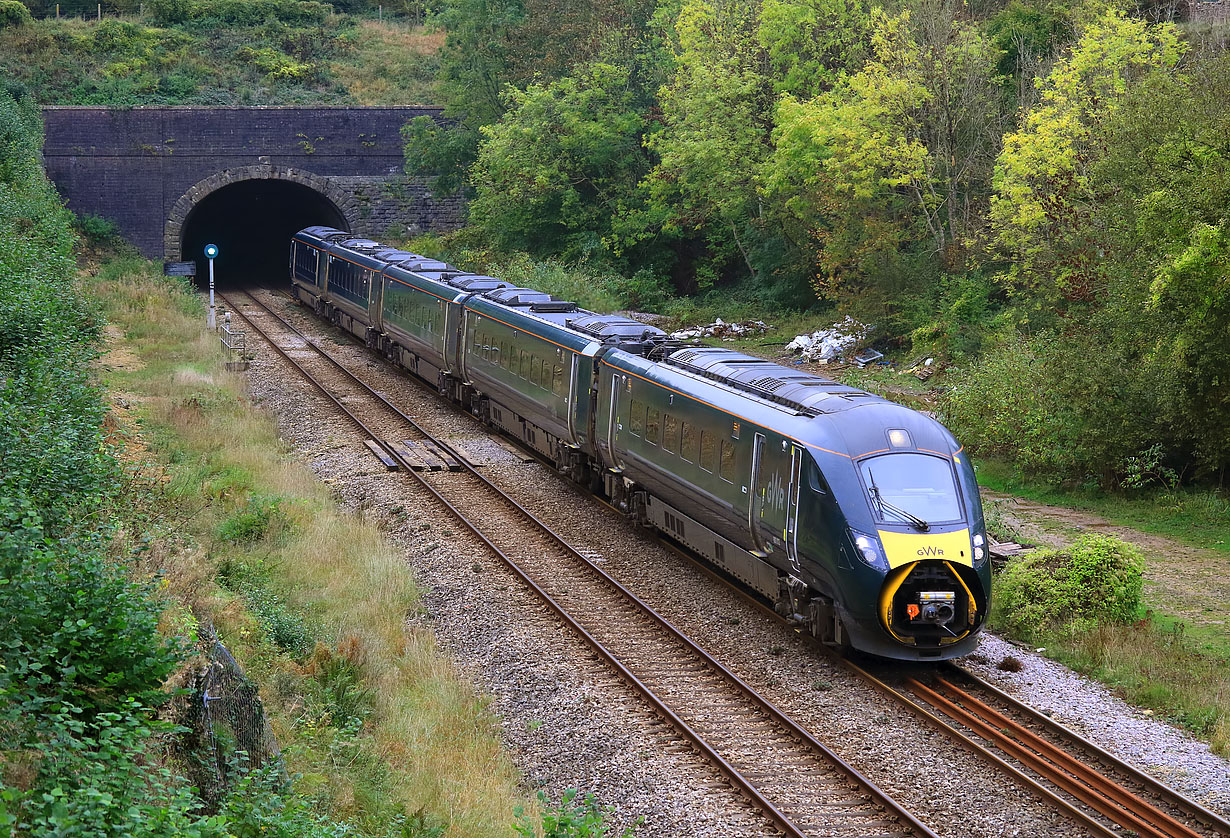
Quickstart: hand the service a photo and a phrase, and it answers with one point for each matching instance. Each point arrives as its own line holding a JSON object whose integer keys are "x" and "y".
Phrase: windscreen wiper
{"x": 913, "y": 520}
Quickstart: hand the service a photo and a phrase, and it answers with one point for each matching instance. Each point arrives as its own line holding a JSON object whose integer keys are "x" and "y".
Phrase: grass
{"x": 125, "y": 61}
{"x": 1198, "y": 517}
{"x": 311, "y": 600}
{"x": 1153, "y": 664}
{"x": 390, "y": 64}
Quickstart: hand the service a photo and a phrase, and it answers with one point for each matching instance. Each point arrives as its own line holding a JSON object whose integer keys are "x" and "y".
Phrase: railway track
{"x": 1087, "y": 783}
{"x": 1107, "y": 795}
{"x": 797, "y": 784}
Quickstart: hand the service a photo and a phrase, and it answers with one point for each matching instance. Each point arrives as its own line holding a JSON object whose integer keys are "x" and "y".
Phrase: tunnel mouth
{"x": 251, "y": 223}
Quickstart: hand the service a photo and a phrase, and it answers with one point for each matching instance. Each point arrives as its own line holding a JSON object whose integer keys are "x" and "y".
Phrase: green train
{"x": 859, "y": 519}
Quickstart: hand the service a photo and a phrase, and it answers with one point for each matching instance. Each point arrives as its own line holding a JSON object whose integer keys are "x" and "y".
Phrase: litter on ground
{"x": 829, "y": 344}
{"x": 721, "y": 329}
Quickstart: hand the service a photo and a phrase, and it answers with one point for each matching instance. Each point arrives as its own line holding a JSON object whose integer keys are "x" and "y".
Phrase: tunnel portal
{"x": 251, "y": 222}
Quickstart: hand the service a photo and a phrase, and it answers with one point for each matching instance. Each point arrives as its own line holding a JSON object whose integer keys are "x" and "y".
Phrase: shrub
{"x": 169, "y": 12}
{"x": 1097, "y": 580}
{"x": 77, "y": 633}
{"x": 571, "y": 820}
{"x": 253, "y": 12}
{"x": 98, "y": 229}
{"x": 13, "y": 13}
{"x": 259, "y": 517}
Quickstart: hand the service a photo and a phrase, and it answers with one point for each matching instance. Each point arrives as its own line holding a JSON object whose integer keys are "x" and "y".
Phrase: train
{"x": 859, "y": 519}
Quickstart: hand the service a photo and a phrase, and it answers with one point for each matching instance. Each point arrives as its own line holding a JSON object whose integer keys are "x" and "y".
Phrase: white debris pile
{"x": 826, "y": 344}
{"x": 721, "y": 329}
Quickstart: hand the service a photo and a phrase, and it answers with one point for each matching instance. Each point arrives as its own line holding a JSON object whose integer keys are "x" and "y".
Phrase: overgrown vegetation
{"x": 380, "y": 732}
{"x": 1032, "y": 191}
{"x": 1084, "y": 605}
{"x": 128, "y": 537}
{"x": 220, "y": 52}
{"x": 1095, "y": 581}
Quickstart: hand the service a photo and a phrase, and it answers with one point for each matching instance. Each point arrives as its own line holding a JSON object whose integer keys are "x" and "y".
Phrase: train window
{"x": 670, "y": 434}
{"x": 815, "y": 478}
{"x": 727, "y": 465}
{"x": 636, "y": 421}
{"x": 707, "y": 453}
{"x": 557, "y": 380}
{"x": 905, "y": 488}
{"x": 504, "y": 354}
{"x": 688, "y": 449}
{"x": 653, "y": 426}
{"x": 524, "y": 367}
{"x": 544, "y": 374}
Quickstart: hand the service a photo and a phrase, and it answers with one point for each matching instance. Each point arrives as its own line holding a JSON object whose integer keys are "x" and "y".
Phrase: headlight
{"x": 868, "y": 549}
{"x": 980, "y": 553}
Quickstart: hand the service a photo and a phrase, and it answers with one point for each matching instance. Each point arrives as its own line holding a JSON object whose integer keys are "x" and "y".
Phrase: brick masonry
{"x": 147, "y": 168}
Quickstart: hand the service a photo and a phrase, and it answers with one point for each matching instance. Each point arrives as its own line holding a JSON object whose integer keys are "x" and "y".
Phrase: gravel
{"x": 1093, "y": 711}
{"x": 571, "y": 724}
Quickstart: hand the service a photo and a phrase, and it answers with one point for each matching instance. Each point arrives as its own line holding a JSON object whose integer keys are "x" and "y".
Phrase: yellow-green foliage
{"x": 1042, "y": 180}
{"x": 1095, "y": 581}
{"x": 274, "y": 63}
{"x": 13, "y": 13}
{"x": 312, "y": 600}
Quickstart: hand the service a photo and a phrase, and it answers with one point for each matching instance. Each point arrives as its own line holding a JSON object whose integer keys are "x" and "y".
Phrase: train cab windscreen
{"x": 915, "y": 489}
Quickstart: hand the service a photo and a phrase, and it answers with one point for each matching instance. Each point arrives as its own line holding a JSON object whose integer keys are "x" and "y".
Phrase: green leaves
{"x": 553, "y": 175}
{"x": 1097, "y": 580}
{"x": 1045, "y": 193}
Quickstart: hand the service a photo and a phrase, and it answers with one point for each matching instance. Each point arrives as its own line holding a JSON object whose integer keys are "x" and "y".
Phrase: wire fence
{"x": 228, "y": 733}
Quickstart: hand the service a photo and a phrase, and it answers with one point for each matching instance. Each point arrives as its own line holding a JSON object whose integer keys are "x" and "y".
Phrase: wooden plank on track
{"x": 467, "y": 456}
{"x": 422, "y": 452}
{"x": 416, "y": 462}
{"x": 448, "y": 459}
{"x": 376, "y": 448}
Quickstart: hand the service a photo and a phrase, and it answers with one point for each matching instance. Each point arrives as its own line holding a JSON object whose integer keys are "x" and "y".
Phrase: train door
{"x": 450, "y": 333}
{"x": 791, "y": 530}
{"x": 375, "y": 307}
{"x": 574, "y": 385}
{"x": 618, "y": 386}
{"x": 756, "y": 495}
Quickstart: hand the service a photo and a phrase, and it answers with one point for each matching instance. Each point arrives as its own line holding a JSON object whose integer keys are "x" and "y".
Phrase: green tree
{"x": 715, "y": 138}
{"x": 1194, "y": 290}
{"x": 908, "y": 140}
{"x": 1045, "y": 197}
{"x": 810, "y": 44}
{"x": 562, "y": 164}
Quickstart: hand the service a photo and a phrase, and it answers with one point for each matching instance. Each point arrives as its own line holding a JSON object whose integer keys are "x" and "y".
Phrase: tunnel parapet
{"x": 149, "y": 168}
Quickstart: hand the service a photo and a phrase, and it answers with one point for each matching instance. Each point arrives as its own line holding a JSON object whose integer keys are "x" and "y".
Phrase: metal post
{"x": 211, "y": 250}
{"x": 57, "y": 11}
{"x": 213, "y": 317}
{"x": 100, "y": 12}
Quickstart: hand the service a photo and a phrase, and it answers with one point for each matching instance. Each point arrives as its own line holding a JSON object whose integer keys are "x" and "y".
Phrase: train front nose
{"x": 930, "y": 602}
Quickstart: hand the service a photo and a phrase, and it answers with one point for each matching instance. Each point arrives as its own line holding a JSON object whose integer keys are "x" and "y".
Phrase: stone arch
{"x": 172, "y": 238}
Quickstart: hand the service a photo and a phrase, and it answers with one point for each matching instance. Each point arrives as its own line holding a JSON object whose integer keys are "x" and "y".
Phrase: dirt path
{"x": 1190, "y": 583}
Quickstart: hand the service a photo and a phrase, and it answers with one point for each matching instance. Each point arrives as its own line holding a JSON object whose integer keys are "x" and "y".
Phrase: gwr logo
{"x": 931, "y": 551}
{"x": 775, "y": 494}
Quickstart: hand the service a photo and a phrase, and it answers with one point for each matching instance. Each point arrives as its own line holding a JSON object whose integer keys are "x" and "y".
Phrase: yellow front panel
{"x": 904, "y": 547}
